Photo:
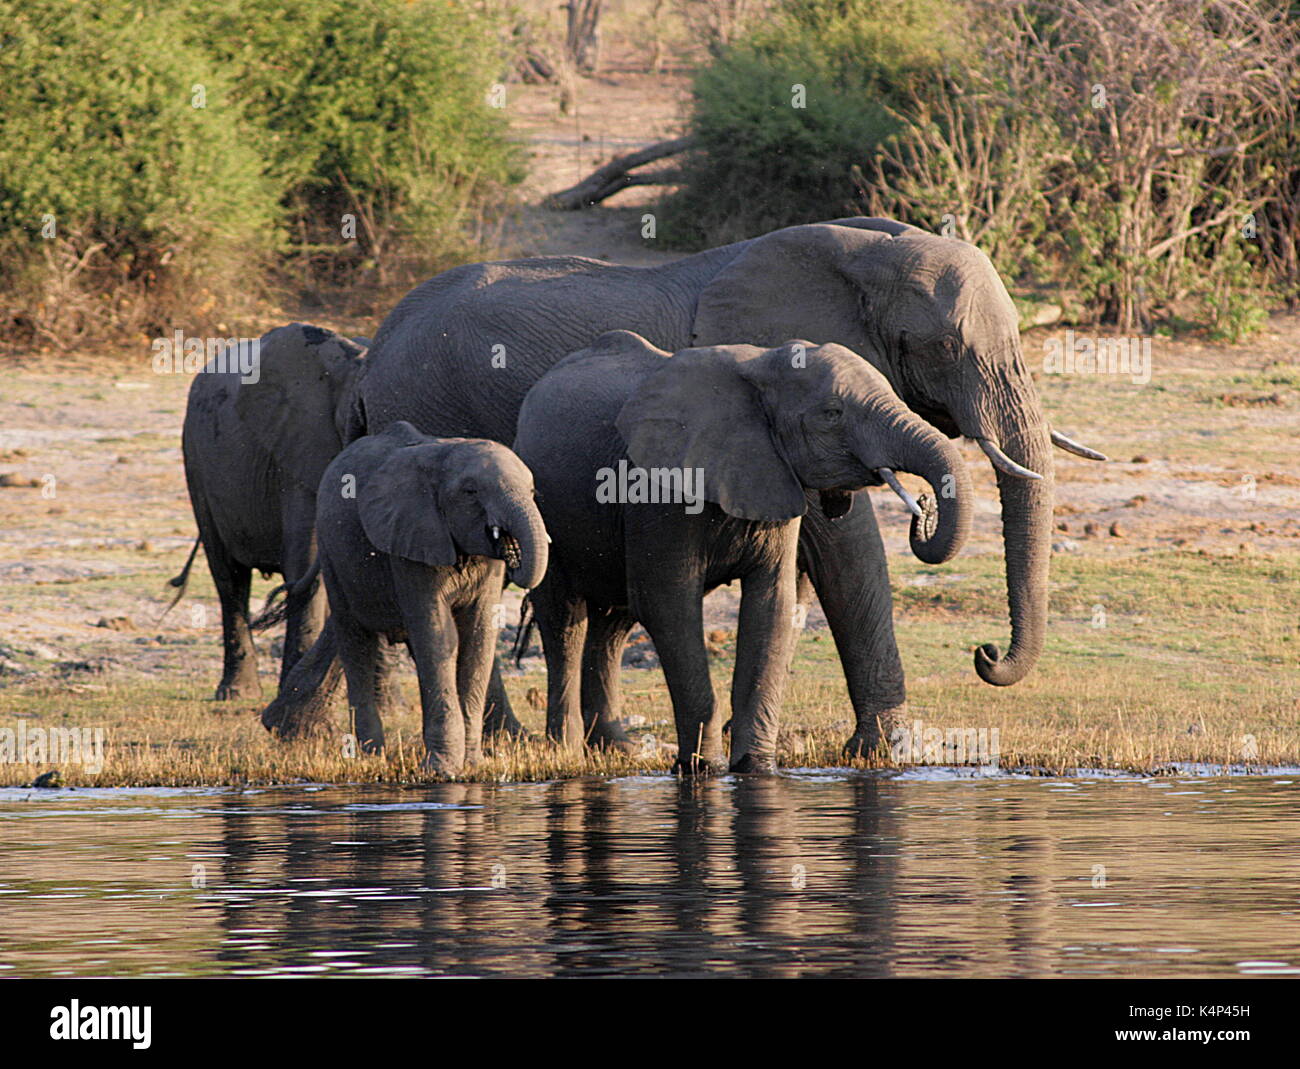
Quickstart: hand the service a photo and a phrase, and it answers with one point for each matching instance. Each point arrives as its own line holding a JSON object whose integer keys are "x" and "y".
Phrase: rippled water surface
{"x": 817, "y": 873}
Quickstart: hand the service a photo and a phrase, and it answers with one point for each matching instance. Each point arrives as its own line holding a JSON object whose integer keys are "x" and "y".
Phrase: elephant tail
{"x": 527, "y": 625}
{"x": 182, "y": 581}
{"x": 276, "y": 607}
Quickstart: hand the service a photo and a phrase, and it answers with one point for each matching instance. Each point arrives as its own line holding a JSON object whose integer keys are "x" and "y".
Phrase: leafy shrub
{"x": 163, "y": 161}
{"x": 120, "y": 202}
{"x": 1141, "y": 154}
{"x": 767, "y": 155}
{"x": 371, "y": 108}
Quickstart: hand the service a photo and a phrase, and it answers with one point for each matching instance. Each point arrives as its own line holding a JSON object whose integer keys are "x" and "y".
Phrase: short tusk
{"x": 1003, "y": 462}
{"x": 496, "y": 532}
{"x": 1071, "y": 446}
{"x": 897, "y": 487}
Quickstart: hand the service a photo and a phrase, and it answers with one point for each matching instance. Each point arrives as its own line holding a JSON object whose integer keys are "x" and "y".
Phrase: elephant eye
{"x": 470, "y": 489}
{"x": 832, "y": 414}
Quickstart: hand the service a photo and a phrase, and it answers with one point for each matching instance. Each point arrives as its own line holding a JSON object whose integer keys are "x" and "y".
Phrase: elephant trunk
{"x": 940, "y": 532}
{"x": 519, "y": 521}
{"x": 1026, "y": 535}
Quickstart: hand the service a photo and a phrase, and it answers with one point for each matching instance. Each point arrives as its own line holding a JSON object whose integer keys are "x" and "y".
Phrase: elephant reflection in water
{"x": 763, "y": 876}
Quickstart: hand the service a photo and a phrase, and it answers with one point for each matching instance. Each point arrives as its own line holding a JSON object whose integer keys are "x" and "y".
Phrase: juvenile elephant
{"x": 255, "y": 449}
{"x": 412, "y": 532}
{"x": 727, "y": 442}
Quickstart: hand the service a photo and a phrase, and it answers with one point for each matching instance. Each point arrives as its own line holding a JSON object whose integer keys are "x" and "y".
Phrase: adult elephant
{"x": 457, "y": 355}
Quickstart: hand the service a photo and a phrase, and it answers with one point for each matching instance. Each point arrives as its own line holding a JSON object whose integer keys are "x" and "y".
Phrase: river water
{"x": 824, "y": 872}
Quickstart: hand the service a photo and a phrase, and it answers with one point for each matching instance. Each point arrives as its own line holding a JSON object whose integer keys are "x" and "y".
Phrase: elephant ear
{"x": 800, "y": 282}
{"x": 398, "y": 504}
{"x": 700, "y": 411}
{"x": 290, "y": 409}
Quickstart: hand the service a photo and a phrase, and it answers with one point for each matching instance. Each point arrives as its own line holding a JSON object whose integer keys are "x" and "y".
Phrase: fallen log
{"x": 617, "y": 175}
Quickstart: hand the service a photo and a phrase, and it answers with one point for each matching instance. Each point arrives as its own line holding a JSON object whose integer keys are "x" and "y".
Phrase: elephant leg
{"x": 764, "y": 644}
{"x": 477, "y": 646}
{"x": 359, "y": 652}
{"x": 434, "y": 642}
{"x": 562, "y": 621}
{"x": 845, "y": 561}
{"x": 239, "y": 657}
{"x": 388, "y": 689}
{"x": 498, "y": 715}
{"x": 602, "y": 700}
{"x": 304, "y": 613}
{"x": 673, "y": 616}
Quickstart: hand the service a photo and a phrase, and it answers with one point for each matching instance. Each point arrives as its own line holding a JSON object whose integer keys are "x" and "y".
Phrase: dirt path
{"x": 611, "y": 115}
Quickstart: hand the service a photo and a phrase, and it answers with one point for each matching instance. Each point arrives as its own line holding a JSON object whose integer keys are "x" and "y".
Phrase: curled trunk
{"x": 919, "y": 449}
{"x": 941, "y": 533}
{"x": 520, "y": 518}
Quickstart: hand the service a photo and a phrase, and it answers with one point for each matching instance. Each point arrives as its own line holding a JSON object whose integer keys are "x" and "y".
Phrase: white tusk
{"x": 1071, "y": 446}
{"x": 897, "y": 487}
{"x": 496, "y": 533}
{"x": 1003, "y": 462}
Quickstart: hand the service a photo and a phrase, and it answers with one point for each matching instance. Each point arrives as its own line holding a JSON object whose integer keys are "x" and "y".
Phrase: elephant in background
{"x": 254, "y": 454}
{"x": 761, "y": 435}
{"x": 460, "y": 351}
{"x": 416, "y": 537}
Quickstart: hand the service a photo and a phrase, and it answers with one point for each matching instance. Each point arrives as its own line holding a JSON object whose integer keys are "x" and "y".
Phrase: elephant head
{"x": 764, "y": 425}
{"x": 436, "y": 499}
{"x": 932, "y": 314}
{"x": 299, "y": 407}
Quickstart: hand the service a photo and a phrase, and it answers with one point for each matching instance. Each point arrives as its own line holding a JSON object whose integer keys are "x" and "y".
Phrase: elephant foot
{"x": 760, "y": 764}
{"x": 696, "y": 766}
{"x": 871, "y": 739}
{"x": 609, "y": 735}
{"x": 237, "y": 690}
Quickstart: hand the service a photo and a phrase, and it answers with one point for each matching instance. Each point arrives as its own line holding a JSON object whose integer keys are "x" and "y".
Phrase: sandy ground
{"x": 94, "y": 517}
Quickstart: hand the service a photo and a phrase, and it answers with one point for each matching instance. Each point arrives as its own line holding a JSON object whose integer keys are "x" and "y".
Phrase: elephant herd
{"x": 620, "y": 441}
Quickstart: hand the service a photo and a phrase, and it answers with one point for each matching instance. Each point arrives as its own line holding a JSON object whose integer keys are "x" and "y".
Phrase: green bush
{"x": 110, "y": 180}
{"x": 162, "y": 163}
{"x": 761, "y": 161}
{"x": 372, "y": 108}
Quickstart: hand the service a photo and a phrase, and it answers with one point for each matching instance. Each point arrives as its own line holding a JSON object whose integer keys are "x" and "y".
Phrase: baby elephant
{"x": 661, "y": 478}
{"x": 412, "y": 533}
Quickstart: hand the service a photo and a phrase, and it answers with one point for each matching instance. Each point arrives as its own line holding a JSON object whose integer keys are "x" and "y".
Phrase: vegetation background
{"x": 174, "y": 161}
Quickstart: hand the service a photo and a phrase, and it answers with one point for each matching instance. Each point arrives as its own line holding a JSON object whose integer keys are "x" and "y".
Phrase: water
{"x": 806, "y": 873}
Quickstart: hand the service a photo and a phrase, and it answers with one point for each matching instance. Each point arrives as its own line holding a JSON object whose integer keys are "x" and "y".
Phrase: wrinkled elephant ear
{"x": 290, "y": 409}
{"x": 398, "y": 504}
{"x": 800, "y": 282}
{"x": 699, "y": 411}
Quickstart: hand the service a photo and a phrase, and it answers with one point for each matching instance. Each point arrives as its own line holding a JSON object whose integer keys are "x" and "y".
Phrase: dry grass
{"x": 1196, "y": 663}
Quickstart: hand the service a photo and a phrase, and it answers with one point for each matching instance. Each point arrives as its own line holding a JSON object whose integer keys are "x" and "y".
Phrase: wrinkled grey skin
{"x": 254, "y": 454}
{"x": 457, "y": 355}
{"x": 412, "y": 532}
{"x": 761, "y": 428}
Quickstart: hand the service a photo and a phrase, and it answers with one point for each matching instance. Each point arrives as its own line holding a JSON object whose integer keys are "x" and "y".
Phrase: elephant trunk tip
{"x": 931, "y": 543}
{"x": 998, "y": 671}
